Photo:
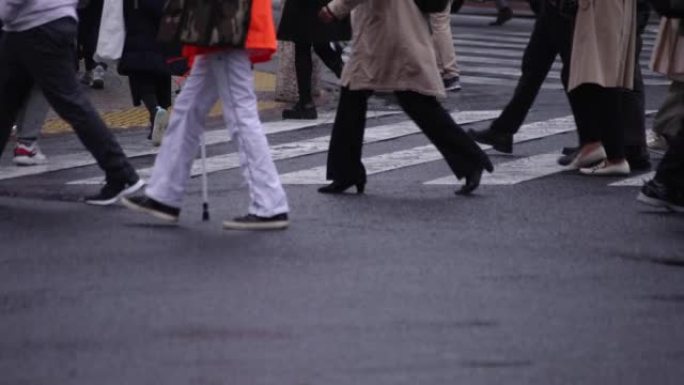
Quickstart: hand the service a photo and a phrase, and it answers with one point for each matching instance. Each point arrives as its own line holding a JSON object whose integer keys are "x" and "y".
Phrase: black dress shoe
{"x": 569, "y": 150}
{"x": 304, "y": 111}
{"x": 339, "y": 187}
{"x": 566, "y": 159}
{"x": 499, "y": 141}
{"x": 638, "y": 158}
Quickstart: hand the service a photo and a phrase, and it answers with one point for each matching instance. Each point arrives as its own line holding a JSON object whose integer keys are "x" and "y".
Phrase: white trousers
{"x": 227, "y": 76}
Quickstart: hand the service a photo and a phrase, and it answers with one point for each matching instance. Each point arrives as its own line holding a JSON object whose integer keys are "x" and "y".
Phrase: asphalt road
{"x": 556, "y": 279}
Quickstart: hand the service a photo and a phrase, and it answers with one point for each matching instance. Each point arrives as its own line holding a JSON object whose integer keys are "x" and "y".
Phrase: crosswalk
{"x": 494, "y": 58}
{"x": 512, "y": 171}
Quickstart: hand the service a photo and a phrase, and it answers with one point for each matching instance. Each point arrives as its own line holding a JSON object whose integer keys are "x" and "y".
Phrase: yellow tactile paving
{"x": 138, "y": 116}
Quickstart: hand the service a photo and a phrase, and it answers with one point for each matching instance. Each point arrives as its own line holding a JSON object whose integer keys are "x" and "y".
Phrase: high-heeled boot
{"x": 340, "y": 187}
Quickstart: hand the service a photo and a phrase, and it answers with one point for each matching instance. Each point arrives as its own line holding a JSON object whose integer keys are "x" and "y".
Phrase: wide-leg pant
{"x": 461, "y": 153}
{"x": 444, "y": 43}
{"x": 226, "y": 76}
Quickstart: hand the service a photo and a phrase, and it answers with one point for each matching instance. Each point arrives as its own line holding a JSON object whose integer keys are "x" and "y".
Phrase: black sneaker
{"x": 500, "y": 142}
{"x": 255, "y": 222}
{"x": 452, "y": 84}
{"x": 112, "y": 192}
{"x": 301, "y": 111}
{"x": 155, "y": 208}
{"x": 657, "y": 194}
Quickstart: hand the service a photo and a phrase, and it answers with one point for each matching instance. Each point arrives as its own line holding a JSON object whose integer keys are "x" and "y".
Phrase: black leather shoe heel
{"x": 340, "y": 187}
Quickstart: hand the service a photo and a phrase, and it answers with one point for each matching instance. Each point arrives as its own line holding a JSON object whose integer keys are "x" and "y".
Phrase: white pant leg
{"x": 181, "y": 142}
{"x": 444, "y": 43}
{"x": 234, "y": 79}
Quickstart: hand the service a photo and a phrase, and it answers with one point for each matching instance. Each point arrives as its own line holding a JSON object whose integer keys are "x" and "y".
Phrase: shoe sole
{"x": 654, "y": 202}
{"x": 161, "y": 121}
{"x": 453, "y": 88}
{"x": 131, "y": 190}
{"x": 26, "y": 161}
{"x": 157, "y": 214}
{"x": 275, "y": 225}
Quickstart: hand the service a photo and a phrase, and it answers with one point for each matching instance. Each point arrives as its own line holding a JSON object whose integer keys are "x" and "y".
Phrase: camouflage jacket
{"x": 208, "y": 23}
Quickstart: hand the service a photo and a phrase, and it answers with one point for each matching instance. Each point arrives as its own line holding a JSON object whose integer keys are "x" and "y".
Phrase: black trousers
{"x": 152, "y": 90}
{"x": 45, "y": 56}
{"x": 304, "y": 65}
{"x": 600, "y": 109}
{"x": 346, "y": 142}
{"x": 671, "y": 168}
{"x": 633, "y": 112}
{"x": 88, "y": 31}
{"x": 551, "y": 36}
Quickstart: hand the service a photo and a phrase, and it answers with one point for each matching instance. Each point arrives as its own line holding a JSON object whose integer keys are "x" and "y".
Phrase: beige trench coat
{"x": 604, "y": 44}
{"x": 668, "y": 53}
{"x": 392, "y": 48}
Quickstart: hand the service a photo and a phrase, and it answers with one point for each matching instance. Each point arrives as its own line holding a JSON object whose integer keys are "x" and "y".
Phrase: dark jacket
{"x": 299, "y": 23}
{"x": 142, "y": 52}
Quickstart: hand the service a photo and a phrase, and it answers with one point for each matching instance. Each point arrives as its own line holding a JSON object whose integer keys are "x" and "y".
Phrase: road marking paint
{"x": 143, "y": 148}
{"x": 635, "y": 181}
{"x": 316, "y": 145}
{"x": 518, "y": 171}
{"x": 423, "y": 154}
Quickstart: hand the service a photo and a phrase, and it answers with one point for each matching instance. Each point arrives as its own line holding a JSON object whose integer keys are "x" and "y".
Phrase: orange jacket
{"x": 261, "y": 38}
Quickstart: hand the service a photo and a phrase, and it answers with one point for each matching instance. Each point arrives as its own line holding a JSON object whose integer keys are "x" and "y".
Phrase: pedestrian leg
{"x": 15, "y": 86}
{"x": 444, "y": 43}
{"x": 461, "y": 153}
{"x": 174, "y": 162}
{"x": 235, "y": 81}
{"x": 48, "y": 54}
{"x": 346, "y": 140}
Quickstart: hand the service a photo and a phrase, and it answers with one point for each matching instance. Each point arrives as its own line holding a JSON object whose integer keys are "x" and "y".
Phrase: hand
{"x": 325, "y": 15}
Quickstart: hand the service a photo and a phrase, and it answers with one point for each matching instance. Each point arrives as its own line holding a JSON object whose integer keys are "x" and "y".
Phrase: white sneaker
{"x": 98, "y": 77}
{"x": 161, "y": 121}
{"x": 594, "y": 156}
{"x": 28, "y": 155}
{"x": 605, "y": 169}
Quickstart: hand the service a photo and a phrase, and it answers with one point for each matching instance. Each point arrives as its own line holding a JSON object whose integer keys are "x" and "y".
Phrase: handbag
{"x": 432, "y": 6}
{"x": 112, "y": 34}
{"x": 669, "y": 8}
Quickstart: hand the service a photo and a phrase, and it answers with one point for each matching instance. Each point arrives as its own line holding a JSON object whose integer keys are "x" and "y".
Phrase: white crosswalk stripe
{"x": 315, "y": 145}
{"x": 634, "y": 181}
{"x": 424, "y": 154}
{"x": 495, "y": 58}
{"x": 83, "y": 158}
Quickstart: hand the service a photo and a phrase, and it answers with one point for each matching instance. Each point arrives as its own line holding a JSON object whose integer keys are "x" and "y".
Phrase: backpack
{"x": 432, "y": 6}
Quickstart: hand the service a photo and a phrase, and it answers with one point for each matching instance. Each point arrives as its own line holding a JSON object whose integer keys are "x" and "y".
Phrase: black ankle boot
{"x": 301, "y": 111}
{"x": 340, "y": 187}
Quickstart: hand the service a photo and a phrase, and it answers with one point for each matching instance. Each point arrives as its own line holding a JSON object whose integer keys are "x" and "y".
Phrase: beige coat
{"x": 604, "y": 44}
{"x": 392, "y": 48}
{"x": 668, "y": 52}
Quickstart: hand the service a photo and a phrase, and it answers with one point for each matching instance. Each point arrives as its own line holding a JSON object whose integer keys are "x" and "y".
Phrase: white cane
{"x": 205, "y": 182}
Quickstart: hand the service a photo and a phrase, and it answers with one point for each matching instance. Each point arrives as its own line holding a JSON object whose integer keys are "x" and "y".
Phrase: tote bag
{"x": 112, "y": 35}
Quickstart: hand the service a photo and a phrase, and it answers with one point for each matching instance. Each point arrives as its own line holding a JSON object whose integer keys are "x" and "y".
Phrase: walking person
{"x": 601, "y": 69}
{"x": 551, "y": 37}
{"x": 89, "y": 16}
{"x": 144, "y": 62}
{"x": 442, "y": 36}
{"x": 400, "y": 59}
{"x": 221, "y": 71}
{"x": 300, "y": 25}
{"x": 38, "y": 48}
